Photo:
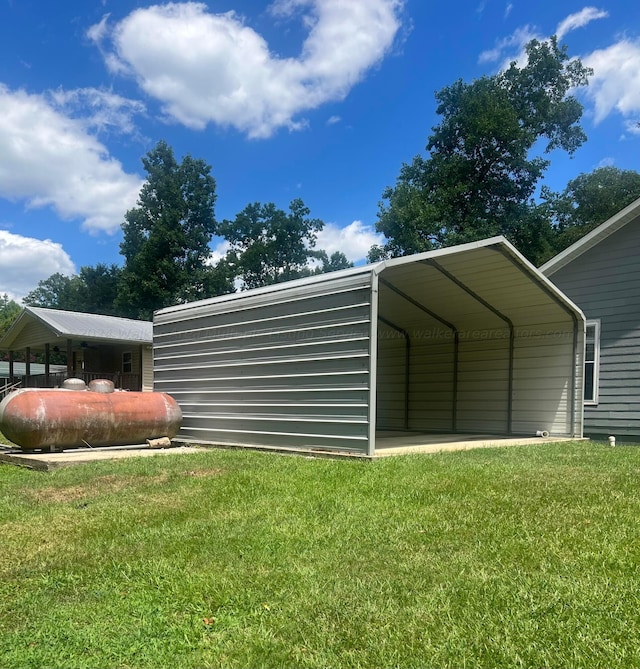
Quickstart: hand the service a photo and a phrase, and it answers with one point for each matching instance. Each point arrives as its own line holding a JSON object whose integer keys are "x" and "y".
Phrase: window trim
{"x": 129, "y": 362}
{"x": 595, "y": 324}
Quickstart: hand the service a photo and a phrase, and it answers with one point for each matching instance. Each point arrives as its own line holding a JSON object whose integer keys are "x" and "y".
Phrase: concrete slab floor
{"x": 387, "y": 444}
{"x": 45, "y": 461}
{"x": 405, "y": 443}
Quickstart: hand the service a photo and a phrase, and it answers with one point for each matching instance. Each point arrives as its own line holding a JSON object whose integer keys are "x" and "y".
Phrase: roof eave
{"x": 598, "y": 234}
{"x": 16, "y": 327}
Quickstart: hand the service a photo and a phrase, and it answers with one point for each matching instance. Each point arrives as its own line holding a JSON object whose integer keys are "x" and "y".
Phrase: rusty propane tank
{"x": 62, "y": 418}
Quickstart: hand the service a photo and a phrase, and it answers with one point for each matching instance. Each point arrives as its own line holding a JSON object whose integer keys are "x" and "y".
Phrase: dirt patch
{"x": 99, "y": 486}
{"x": 200, "y": 473}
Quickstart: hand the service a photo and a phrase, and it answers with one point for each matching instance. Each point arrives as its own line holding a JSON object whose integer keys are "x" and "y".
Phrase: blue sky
{"x": 318, "y": 99}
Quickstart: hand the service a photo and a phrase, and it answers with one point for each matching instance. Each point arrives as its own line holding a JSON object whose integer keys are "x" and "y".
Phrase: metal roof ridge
{"x": 272, "y": 288}
{"x": 435, "y": 253}
{"x": 82, "y": 314}
{"x": 34, "y": 311}
{"x": 539, "y": 276}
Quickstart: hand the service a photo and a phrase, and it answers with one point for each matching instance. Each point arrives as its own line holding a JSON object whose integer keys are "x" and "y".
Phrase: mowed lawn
{"x": 506, "y": 557}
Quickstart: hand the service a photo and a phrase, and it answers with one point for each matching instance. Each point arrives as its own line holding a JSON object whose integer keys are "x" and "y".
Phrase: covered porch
{"x": 46, "y": 346}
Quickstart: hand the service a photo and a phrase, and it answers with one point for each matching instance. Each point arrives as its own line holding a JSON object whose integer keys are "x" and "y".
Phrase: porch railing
{"x": 54, "y": 380}
{"x": 6, "y": 386}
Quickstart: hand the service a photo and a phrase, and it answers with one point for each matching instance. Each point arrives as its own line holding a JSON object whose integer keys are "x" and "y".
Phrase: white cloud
{"x": 615, "y": 84}
{"x": 213, "y": 68}
{"x": 25, "y": 261}
{"x": 633, "y": 127}
{"x": 49, "y": 160}
{"x": 579, "y": 20}
{"x": 607, "y": 162}
{"x": 332, "y": 120}
{"x": 98, "y": 32}
{"x": 99, "y": 109}
{"x": 354, "y": 240}
{"x": 219, "y": 252}
{"x": 507, "y": 10}
{"x": 510, "y": 48}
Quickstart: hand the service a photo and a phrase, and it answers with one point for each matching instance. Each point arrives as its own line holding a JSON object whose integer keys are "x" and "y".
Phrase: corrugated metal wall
{"x": 288, "y": 367}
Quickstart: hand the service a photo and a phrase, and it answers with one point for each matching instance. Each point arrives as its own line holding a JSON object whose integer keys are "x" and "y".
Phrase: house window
{"x": 591, "y": 362}
{"x": 127, "y": 365}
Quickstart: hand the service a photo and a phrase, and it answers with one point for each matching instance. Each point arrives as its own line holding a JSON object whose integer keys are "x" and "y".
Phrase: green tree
{"x": 56, "y": 292}
{"x": 269, "y": 245}
{"x": 98, "y": 289}
{"x": 9, "y": 310}
{"x": 332, "y": 263}
{"x": 92, "y": 291}
{"x": 481, "y": 172}
{"x": 167, "y": 236}
{"x": 586, "y": 202}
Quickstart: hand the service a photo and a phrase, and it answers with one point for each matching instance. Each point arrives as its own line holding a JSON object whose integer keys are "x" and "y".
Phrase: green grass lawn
{"x": 506, "y": 557}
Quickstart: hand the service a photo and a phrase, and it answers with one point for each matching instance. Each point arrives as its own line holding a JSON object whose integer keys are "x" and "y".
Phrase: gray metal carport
{"x": 468, "y": 339}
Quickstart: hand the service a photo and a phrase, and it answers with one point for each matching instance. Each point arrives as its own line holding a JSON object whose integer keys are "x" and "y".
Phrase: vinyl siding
{"x": 605, "y": 283}
{"x": 147, "y": 369}
{"x": 37, "y": 334}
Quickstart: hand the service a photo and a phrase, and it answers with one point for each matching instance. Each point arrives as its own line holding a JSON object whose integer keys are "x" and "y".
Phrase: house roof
{"x": 73, "y": 325}
{"x": 606, "y": 229}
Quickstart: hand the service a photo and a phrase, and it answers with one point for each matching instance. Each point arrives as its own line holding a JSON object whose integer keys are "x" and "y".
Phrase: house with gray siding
{"x": 601, "y": 274}
{"x": 469, "y": 340}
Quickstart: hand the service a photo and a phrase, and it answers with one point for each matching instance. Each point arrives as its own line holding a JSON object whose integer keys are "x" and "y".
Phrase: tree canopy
{"x": 167, "y": 236}
{"x": 56, "y": 292}
{"x": 167, "y": 247}
{"x": 332, "y": 263}
{"x": 587, "y": 201}
{"x": 270, "y": 245}
{"x": 93, "y": 290}
{"x": 9, "y": 310}
{"x": 481, "y": 171}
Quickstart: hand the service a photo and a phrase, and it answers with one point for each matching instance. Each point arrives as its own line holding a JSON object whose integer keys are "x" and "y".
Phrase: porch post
{"x": 27, "y": 364}
{"x": 69, "y": 358}
{"x": 47, "y": 356}
{"x": 11, "y": 375}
